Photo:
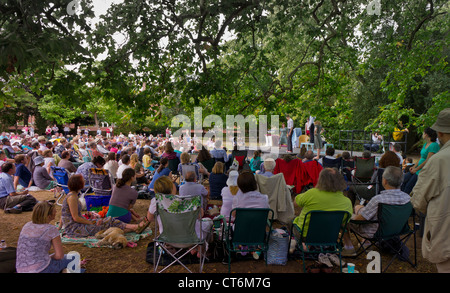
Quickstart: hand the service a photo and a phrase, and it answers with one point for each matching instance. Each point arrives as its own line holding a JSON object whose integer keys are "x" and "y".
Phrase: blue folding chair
{"x": 62, "y": 178}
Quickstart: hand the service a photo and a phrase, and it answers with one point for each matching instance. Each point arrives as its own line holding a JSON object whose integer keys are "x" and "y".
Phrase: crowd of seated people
{"x": 145, "y": 160}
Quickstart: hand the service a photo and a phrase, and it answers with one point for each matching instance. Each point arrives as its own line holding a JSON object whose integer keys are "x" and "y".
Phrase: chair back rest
{"x": 324, "y": 226}
{"x": 178, "y": 216}
{"x": 100, "y": 181}
{"x": 61, "y": 176}
{"x": 209, "y": 164}
{"x": 250, "y": 226}
{"x": 393, "y": 220}
{"x": 173, "y": 165}
{"x": 332, "y": 163}
{"x": 348, "y": 163}
{"x": 364, "y": 168}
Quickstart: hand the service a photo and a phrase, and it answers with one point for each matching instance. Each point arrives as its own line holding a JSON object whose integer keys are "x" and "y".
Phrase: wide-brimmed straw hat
{"x": 442, "y": 122}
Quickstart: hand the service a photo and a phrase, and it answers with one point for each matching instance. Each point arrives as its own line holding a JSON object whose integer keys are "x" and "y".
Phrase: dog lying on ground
{"x": 112, "y": 236}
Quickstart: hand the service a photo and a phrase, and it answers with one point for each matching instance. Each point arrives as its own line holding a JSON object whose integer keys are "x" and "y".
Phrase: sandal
{"x": 323, "y": 259}
{"x": 145, "y": 223}
{"x": 334, "y": 259}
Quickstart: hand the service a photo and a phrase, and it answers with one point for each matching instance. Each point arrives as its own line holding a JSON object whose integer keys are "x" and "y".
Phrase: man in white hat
{"x": 431, "y": 196}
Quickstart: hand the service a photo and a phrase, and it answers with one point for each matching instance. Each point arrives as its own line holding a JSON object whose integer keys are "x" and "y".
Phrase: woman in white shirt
{"x": 249, "y": 196}
{"x": 111, "y": 164}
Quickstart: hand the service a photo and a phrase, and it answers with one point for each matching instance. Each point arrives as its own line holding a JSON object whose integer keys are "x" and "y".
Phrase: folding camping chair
{"x": 324, "y": 233}
{"x": 332, "y": 163}
{"x": 364, "y": 169}
{"x": 249, "y": 232}
{"x": 241, "y": 157}
{"x": 361, "y": 179}
{"x": 179, "y": 216}
{"x": 173, "y": 166}
{"x": 100, "y": 181}
{"x": 393, "y": 231}
{"x": 62, "y": 178}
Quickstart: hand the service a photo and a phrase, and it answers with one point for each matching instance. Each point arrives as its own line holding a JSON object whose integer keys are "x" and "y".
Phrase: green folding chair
{"x": 324, "y": 233}
{"x": 392, "y": 223}
{"x": 179, "y": 216}
{"x": 249, "y": 232}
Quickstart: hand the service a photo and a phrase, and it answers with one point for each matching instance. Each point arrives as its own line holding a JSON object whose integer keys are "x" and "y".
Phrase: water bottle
{"x": 2, "y": 244}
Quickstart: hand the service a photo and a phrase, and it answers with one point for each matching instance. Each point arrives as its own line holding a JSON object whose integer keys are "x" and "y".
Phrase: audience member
{"x": 249, "y": 196}
{"x": 217, "y": 181}
{"x": 98, "y": 162}
{"x": 72, "y": 221}
{"x": 12, "y": 201}
{"x": 41, "y": 177}
{"x": 327, "y": 195}
{"x": 125, "y": 164}
{"x": 255, "y": 162}
{"x": 269, "y": 166}
{"x": 392, "y": 195}
{"x": 66, "y": 163}
{"x": 22, "y": 176}
{"x": 163, "y": 170}
{"x": 111, "y": 164}
{"x": 36, "y": 239}
{"x": 228, "y": 193}
{"x": 219, "y": 153}
{"x": 191, "y": 187}
{"x": 123, "y": 198}
{"x": 429, "y": 148}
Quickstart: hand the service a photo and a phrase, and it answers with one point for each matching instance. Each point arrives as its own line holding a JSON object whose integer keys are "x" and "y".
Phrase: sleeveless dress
{"x": 318, "y": 143}
{"x": 74, "y": 229}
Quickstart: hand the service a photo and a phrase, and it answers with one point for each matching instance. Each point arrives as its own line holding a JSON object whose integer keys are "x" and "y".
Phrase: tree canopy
{"x": 144, "y": 61}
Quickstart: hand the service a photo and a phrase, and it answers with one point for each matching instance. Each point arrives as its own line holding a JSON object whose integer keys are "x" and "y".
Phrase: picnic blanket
{"x": 91, "y": 241}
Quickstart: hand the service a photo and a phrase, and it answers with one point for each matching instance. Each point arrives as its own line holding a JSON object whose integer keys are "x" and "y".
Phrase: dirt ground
{"x": 133, "y": 260}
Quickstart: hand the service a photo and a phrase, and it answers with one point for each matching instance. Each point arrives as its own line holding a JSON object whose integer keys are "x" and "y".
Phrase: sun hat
{"x": 38, "y": 160}
{"x": 442, "y": 123}
{"x": 232, "y": 178}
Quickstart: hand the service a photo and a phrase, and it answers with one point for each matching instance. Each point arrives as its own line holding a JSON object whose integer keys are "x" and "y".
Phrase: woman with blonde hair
{"x": 138, "y": 168}
{"x": 185, "y": 159}
{"x": 35, "y": 241}
{"x": 217, "y": 181}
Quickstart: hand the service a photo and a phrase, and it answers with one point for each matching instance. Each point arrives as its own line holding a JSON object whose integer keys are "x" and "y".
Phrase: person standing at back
{"x": 431, "y": 196}
{"x": 290, "y": 130}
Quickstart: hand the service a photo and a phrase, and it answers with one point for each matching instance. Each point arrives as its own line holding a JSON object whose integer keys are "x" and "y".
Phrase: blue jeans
{"x": 372, "y": 147}
{"x": 57, "y": 265}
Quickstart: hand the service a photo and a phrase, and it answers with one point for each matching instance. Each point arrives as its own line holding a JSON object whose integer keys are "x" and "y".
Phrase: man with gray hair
{"x": 392, "y": 195}
{"x": 431, "y": 196}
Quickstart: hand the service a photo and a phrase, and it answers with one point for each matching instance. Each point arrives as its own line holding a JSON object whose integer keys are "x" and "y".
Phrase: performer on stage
{"x": 290, "y": 126}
